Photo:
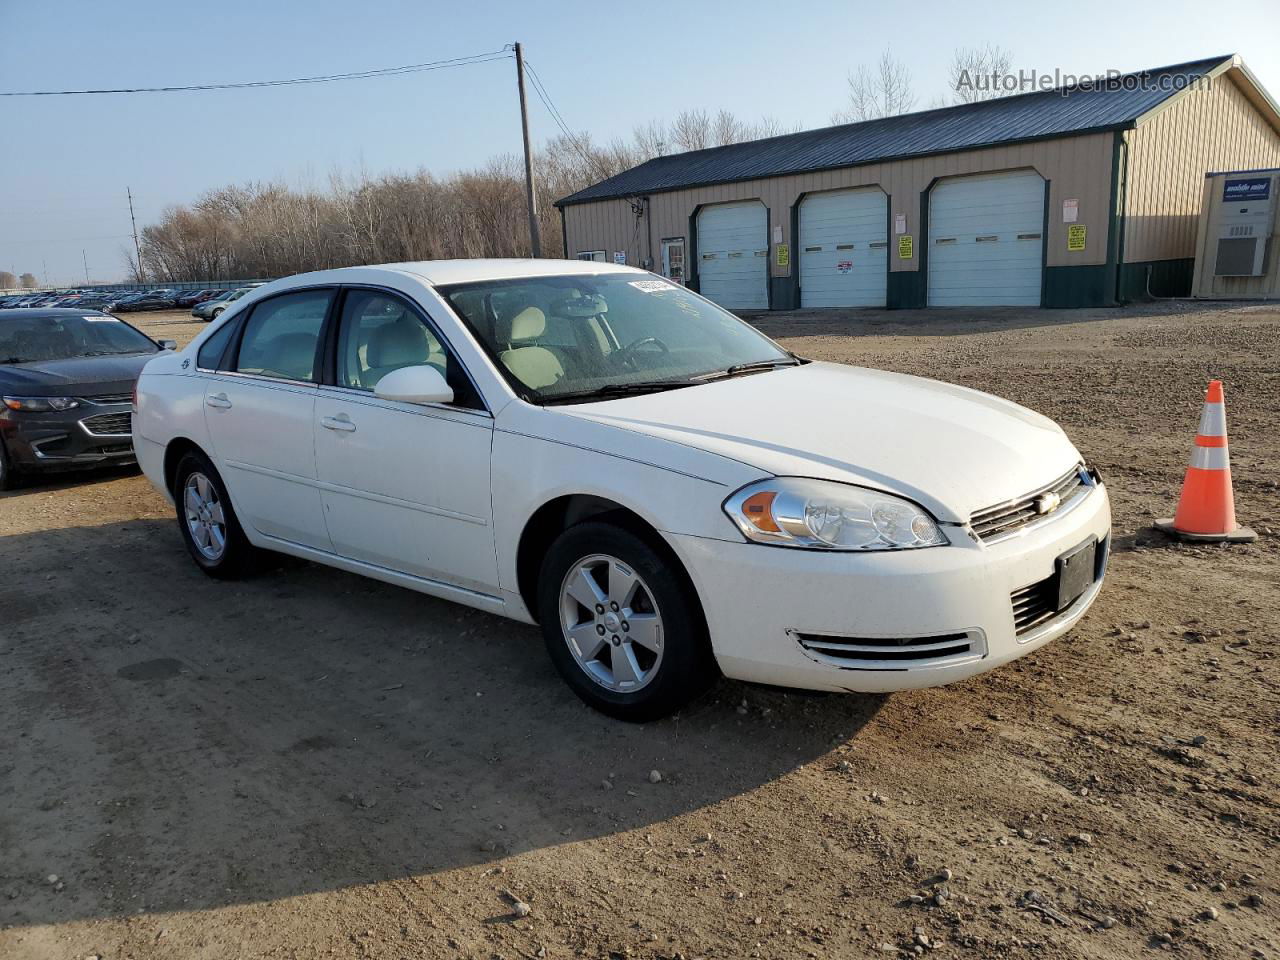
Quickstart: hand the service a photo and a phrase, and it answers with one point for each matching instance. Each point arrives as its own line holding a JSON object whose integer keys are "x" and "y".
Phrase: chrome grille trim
{"x": 108, "y": 425}
{"x": 107, "y": 399}
{"x": 1014, "y": 517}
{"x": 893, "y": 653}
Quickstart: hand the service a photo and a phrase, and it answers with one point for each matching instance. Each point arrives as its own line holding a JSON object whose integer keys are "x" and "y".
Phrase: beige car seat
{"x": 404, "y": 343}
{"x": 534, "y": 366}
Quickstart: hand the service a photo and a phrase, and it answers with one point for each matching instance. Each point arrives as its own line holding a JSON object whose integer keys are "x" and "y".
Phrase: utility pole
{"x": 86, "y": 265}
{"x": 137, "y": 248}
{"x": 535, "y": 239}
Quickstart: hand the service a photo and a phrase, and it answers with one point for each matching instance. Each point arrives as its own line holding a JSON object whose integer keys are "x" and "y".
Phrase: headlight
{"x": 820, "y": 514}
{"x": 41, "y": 404}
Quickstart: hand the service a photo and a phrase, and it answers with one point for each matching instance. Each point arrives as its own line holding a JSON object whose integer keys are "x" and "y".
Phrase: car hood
{"x": 949, "y": 448}
{"x": 55, "y": 378}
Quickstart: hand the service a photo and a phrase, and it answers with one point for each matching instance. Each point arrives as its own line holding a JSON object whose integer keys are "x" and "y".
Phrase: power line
{"x": 545, "y": 97}
{"x": 326, "y": 78}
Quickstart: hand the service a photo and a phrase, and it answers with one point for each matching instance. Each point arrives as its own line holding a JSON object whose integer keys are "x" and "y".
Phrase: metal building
{"x": 1059, "y": 198}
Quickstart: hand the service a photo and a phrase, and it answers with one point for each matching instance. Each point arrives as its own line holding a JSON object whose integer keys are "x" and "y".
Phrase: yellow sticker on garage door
{"x": 904, "y": 247}
{"x": 1075, "y": 236}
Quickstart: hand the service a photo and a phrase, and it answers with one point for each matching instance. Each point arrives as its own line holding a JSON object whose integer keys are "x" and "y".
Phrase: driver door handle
{"x": 338, "y": 423}
{"x": 218, "y": 401}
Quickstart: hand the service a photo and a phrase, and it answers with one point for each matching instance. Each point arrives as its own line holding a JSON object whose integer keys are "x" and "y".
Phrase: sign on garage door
{"x": 986, "y": 240}
{"x": 844, "y": 248}
{"x": 733, "y": 255}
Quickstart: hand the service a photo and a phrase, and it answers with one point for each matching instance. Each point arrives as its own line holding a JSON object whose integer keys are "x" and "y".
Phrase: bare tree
{"x": 880, "y": 91}
{"x": 27, "y": 281}
{"x": 271, "y": 229}
{"x": 691, "y": 130}
{"x": 976, "y": 73}
{"x": 653, "y": 139}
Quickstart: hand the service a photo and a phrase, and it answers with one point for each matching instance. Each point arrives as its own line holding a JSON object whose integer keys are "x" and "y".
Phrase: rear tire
{"x": 622, "y": 624}
{"x": 8, "y": 477}
{"x": 208, "y": 521}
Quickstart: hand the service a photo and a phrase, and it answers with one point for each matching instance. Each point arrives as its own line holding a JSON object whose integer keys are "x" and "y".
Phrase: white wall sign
{"x": 899, "y": 224}
{"x": 1070, "y": 211}
{"x": 777, "y": 233}
{"x": 620, "y": 256}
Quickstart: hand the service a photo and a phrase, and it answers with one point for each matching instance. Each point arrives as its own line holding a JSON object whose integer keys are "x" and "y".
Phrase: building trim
{"x": 889, "y": 158}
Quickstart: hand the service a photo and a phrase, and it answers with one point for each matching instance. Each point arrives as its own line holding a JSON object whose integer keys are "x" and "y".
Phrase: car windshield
{"x": 565, "y": 338}
{"x": 33, "y": 339}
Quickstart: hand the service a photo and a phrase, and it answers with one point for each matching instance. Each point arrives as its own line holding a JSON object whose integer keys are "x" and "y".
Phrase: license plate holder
{"x": 1075, "y": 570}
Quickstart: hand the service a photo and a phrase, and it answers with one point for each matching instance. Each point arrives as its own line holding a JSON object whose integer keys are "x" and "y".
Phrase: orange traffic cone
{"x": 1207, "y": 510}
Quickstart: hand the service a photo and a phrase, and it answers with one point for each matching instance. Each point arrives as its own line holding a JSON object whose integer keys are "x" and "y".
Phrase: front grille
{"x": 109, "y": 398}
{"x": 109, "y": 424}
{"x": 1005, "y": 519}
{"x": 892, "y": 653}
{"x": 1034, "y": 604}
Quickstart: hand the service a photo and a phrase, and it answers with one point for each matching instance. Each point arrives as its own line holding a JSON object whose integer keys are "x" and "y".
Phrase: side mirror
{"x": 168, "y": 344}
{"x": 419, "y": 384}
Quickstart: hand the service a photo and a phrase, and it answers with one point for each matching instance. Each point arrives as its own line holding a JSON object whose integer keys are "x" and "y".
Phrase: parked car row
{"x": 124, "y": 301}
{"x": 211, "y": 308}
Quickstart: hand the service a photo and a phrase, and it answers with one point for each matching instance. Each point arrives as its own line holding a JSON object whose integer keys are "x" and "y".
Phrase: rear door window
{"x": 282, "y": 336}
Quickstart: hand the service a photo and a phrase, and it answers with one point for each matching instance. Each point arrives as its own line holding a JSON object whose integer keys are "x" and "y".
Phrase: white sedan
{"x": 666, "y": 491}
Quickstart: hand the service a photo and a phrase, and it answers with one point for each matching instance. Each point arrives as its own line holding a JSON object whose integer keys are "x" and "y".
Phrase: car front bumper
{"x": 82, "y": 437}
{"x": 884, "y": 621}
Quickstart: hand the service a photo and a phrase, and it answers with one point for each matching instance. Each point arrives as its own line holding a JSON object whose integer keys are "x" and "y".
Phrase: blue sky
{"x": 67, "y": 160}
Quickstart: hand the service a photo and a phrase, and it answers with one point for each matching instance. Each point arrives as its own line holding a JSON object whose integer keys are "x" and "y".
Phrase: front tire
{"x": 7, "y": 476}
{"x": 622, "y": 624}
{"x": 208, "y": 522}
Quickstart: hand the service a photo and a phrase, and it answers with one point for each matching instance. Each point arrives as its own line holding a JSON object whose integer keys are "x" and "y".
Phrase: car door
{"x": 406, "y": 486}
{"x": 259, "y": 412}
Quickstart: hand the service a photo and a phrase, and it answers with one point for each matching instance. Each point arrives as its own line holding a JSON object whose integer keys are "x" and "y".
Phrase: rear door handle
{"x": 338, "y": 423}
{"x": 218, "y": 400}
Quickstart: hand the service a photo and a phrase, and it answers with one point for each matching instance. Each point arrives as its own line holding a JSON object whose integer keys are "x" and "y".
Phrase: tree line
{"x": 273, "y": 229}
{"x": 9, "y": 281}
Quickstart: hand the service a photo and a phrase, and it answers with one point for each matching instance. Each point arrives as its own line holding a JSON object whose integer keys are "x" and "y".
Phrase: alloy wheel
{"x": 206, "y": 520}
{"x": 611, "y": 623}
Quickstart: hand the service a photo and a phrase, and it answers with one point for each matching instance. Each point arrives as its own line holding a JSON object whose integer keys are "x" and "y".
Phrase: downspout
{"x": 1120, "y": 188}
{"x": 648, "y": 219}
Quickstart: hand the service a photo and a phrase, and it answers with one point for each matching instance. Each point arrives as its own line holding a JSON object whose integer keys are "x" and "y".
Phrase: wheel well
{"x": 173, "y": 454}
{"x": 556, "y": 516}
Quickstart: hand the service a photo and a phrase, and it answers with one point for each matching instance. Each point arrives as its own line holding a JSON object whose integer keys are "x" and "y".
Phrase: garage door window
{"x": 282, "y": 337}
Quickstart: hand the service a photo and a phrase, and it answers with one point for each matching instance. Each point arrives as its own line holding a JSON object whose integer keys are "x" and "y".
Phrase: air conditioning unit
{"x": 1245, "y": 225}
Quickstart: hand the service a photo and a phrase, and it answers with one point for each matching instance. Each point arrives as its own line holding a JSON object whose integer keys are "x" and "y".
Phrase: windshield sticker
{"x": 650, "y": 286}
{"x": 101, "y": 319}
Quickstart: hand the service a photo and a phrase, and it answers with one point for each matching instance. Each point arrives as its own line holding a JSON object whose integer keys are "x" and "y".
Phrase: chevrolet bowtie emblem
{"x": 1048, "y": 502}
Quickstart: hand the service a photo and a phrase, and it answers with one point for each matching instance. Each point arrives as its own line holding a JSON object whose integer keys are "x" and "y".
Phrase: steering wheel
{"x": 626, "y": 354}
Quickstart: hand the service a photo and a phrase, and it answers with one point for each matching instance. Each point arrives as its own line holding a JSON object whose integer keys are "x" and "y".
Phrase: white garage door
{"x": 844, "y": 255}
{"x": 986, "y": 240}
{"x": 733, "y": 255}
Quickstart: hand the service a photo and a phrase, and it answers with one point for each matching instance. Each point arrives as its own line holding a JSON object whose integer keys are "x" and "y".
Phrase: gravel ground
{"x": 311, "y": 764}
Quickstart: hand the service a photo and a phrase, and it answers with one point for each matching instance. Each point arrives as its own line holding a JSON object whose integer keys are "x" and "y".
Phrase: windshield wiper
{"x": 618, "y": 390}
{"x": 754, "y": 366}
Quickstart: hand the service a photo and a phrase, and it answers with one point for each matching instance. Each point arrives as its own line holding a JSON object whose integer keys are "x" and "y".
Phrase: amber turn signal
{"x": 758, "y": 509}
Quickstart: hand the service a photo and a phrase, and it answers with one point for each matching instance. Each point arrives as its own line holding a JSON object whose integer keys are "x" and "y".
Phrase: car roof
{"x": 14, "y": 313}
{"x": 446, "y": 272}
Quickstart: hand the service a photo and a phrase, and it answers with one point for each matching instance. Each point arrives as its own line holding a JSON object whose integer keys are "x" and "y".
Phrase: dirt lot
{"x": 311, "y": 764}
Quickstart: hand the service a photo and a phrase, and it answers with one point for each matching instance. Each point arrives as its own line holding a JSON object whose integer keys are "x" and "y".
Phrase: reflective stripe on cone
{"x": 1207, "y": 506}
